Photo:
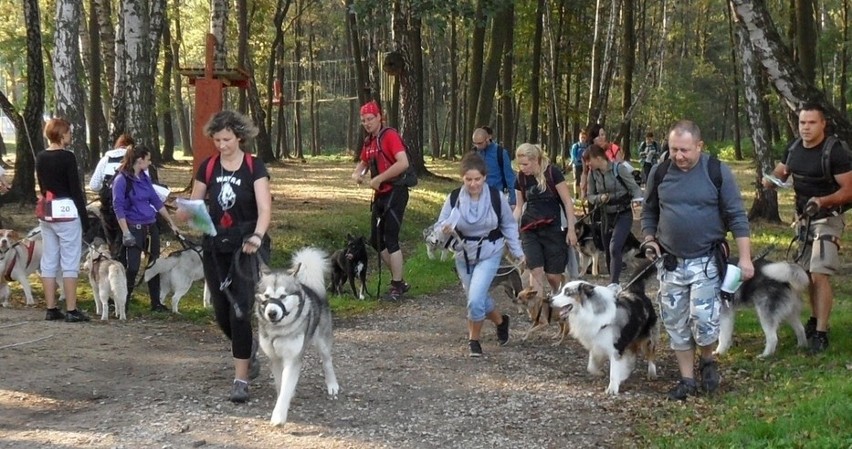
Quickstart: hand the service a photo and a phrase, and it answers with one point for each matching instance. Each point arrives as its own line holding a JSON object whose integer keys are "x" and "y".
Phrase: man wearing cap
{"x": 383, "y": 158}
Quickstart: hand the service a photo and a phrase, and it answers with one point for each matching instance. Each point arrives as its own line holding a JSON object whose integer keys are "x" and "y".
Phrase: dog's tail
{"x": 311, "y": 266}
{"x": 787, "y": 272}
{"x": 162, "y": 265}
{"x": 118, "y": 281}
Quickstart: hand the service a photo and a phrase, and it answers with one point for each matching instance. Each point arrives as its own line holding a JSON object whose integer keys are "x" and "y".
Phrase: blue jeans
{"x": 476, "y": 285}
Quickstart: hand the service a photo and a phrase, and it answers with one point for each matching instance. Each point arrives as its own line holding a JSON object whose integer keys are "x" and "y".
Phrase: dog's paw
{"x": 597, "y": 372}
{"x": 612, "y": 390}
{"x": 333, "y": 389}
{"x": 652, "y": 371}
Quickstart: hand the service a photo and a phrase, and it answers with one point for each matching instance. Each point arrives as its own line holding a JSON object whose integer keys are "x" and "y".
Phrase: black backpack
{"x": 827, "y": 147}
{"x": 409, "y": 177}
{"x": 495, "y": 233}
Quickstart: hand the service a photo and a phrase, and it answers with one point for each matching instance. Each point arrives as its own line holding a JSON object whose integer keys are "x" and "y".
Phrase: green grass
{"x": 791, "y": 400}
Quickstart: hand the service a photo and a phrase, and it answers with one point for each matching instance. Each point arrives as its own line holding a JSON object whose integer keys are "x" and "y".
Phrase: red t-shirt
{"x": 612, "y": 152}
{"x": 391, "y": 145}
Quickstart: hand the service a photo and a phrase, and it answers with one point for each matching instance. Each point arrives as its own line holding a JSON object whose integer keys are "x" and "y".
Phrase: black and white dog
{"x": 614, "y": 326}
{"x": 348, "y": 264}
{"x": 775, "y": 291}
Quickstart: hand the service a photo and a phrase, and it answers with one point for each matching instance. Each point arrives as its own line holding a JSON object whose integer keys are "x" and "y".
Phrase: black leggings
{"x": 131, "y": 258}
{"x": 386, "y": 219}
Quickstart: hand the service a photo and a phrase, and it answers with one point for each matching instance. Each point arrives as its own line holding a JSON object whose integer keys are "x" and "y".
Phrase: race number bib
{"x": 63, "y": 209}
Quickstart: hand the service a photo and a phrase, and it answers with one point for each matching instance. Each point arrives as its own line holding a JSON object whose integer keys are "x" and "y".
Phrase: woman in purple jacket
{"x": 136, "y": 205}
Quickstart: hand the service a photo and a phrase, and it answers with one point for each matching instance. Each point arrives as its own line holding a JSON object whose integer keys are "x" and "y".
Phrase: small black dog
{"x": 349, "y": 263}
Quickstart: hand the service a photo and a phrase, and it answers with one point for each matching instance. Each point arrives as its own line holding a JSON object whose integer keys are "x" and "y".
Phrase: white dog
{"x": 19, "y": 259}
{"x": 177, "y": 273}
{"x": 292, "y": 313}
{"x": 108, "y": 280}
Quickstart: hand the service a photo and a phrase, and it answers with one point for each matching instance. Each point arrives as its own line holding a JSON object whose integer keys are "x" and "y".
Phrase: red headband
{"x": 371, "y": 107}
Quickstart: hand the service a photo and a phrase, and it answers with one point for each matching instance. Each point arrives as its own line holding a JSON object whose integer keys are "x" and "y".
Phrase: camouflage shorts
{"x": 689, "y": 303}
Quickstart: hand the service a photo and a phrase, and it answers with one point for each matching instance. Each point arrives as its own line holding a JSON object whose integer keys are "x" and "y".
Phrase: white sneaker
{"x": 614, "y": 287}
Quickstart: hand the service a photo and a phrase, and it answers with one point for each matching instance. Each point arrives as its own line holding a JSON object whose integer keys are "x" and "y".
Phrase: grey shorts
{"x": 690, "y": 304}
{"x": 822, "y": 252}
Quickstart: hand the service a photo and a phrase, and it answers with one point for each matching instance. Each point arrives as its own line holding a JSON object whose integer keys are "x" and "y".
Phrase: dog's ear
{"x": 295, "y": 269}
{"x": 586, "y": 290}
{"x": 264, "y": 269}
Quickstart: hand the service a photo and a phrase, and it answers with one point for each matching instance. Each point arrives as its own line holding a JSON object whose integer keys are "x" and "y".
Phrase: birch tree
{"x": 67, "y": 68}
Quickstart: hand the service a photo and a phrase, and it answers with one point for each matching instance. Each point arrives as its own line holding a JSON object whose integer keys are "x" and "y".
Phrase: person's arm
{"x": 119, "y": 201}
{"x": 263, "y": 196}
{"x": 781, "y": 172}
{"x": 509, "y": 176}
{"x": 359, "y": 172}
{"x": 519, "y": 205}
{"x": 842, "y": 196}
{"x": 77, "y": 194}
{"x": 568, "y": 204}
{"x": 396, "y": 169}
{"x": 97, "y": 180}
{"x": 592, "y": 195}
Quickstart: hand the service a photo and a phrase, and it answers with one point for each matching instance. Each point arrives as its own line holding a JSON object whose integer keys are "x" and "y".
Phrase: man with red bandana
{"x": 383, "y": 158}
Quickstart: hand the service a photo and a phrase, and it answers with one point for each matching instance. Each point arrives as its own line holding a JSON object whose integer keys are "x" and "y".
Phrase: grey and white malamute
{"x": 611, "y": 326}
{"x": 293, "y": 312}
{"x": 775, "y": 292}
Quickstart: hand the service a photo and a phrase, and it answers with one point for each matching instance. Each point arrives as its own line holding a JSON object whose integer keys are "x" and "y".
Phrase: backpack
{"x": 409, "y": 177}
{"x": 826, "y": 150}
{"x": 208, "y": 172}
{"x": 105, "y": 193}
{"x": 495, "y": 233}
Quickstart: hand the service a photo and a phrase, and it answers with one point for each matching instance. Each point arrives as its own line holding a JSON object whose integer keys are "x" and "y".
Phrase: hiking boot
{"x": 810, "y": 328}
{"x": 503, "y": 331}
{"x": 818, "y": 343}
{"x": 159, "y": 308}
{"x": 397, "y": 289}
{"x": 254, "y": 363}
{"x": 75, "y": 316}
{"x": 475, "y": 348}
{"x": 53, "y": 315}
{"x": 239, "y": 392}
{"x": 684, "y": 388}
{"x": 710, "y": 378}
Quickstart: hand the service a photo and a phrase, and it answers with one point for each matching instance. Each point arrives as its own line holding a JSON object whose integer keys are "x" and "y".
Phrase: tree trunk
{"x": 312, "y": 105}
{"x": 139, "y": 91}
{"x": 67, "y": 67}
{"x": 408, "y": 43}
{"x": 785, "y": 76}
{"x": 98, "y": 133}
{"x": 507, "y": 135}
{"x": 597, "y": 65}
{"x": 735, "y": 82}
{"x": 28, "y": 127}
{"x": 491, "y": 73}
{"x": 362, "y": 88}
{"x": 844, "y": 58}
{"x": 102, "y": 11}
{"x": 765, "y": 205}
{"x": 474, "y": 73}
{"x": 242, "y": 51}
{"x": 628, "y": 67}
{"x": 219, "y": 10}
{"x": 180, "y": 107}
{"x": 164, "y": 100}
{"x": 298, "y": 151}
{"x": 535, "y": 76}
{"x": 276, "y": 59}
{"x": 454, "y": 88}
{"x": 806, "y": 38}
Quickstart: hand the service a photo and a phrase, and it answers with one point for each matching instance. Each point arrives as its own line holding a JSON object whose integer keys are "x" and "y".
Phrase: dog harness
{"x": 30, "y": 249}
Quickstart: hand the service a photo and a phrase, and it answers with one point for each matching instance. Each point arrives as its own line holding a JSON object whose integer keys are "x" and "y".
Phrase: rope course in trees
{"x": 334, "y": 80}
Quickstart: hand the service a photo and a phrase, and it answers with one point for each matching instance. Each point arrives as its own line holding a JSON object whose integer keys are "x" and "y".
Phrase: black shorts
{"x": 545, "y": 247}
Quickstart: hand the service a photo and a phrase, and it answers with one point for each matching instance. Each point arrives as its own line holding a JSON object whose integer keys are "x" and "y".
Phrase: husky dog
{"x": 591, "y": 254}
{"x": 541, "y": 314}
{"x": 177, "y": 272}
{"x": 438, "y": 242}
{"x": 350, "y": 263}
{"x": 108, "y": 280}
{"x": 293, "y": 312}
{"x": 614, "y": 326}
{"x": 775, "y": 291}
{"x": 18, "y": 260}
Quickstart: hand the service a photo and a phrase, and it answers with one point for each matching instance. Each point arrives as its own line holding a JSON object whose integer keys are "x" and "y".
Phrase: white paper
{"x": 199, "y": 218}
{"x": 733, "y": 279}
{"x": 778, "y": 182}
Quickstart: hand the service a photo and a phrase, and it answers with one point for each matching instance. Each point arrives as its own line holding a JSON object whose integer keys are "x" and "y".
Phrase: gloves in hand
{"x": 812, "y": 208}
{"x": 128, "y": 240}
{"x": 651, "y": 249}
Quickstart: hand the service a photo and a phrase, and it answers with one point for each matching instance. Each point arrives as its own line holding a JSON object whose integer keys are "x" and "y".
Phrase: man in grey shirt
{"x": 684, "y": 220}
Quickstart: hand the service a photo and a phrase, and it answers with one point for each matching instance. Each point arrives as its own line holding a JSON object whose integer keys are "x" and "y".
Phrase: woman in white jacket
{"x": 481, "y": 230}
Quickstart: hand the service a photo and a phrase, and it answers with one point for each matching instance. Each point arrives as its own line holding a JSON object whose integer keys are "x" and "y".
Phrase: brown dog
{"x": 541, "y": 314}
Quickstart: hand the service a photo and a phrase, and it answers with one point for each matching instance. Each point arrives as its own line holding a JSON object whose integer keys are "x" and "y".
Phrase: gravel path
{"x": 406, "y": 382}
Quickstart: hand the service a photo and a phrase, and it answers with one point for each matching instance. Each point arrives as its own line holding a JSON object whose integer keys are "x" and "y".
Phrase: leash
{"x": 644, "y": 271}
